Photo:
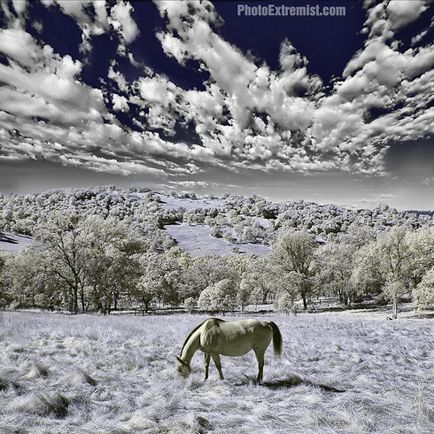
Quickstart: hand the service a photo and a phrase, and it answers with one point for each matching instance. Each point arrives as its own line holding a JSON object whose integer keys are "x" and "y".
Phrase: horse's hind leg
{"x": 218, "y": 364}
{"x": 260, "y": 358}
{"x": 207, "y": 358}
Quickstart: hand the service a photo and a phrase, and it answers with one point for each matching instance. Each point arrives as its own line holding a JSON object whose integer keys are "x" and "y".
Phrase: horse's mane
{"x": 189, "y": 335}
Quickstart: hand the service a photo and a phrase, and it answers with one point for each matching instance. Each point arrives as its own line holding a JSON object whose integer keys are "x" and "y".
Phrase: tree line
{"x": 91, "y": 263}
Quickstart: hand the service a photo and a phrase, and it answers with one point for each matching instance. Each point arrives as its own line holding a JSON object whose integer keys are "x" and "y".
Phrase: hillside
{"x": 200, "y": 225}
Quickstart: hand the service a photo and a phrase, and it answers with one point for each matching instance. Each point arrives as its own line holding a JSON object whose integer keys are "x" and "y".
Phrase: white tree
{"x": 219, "y": 297}
{"x": 385, "y": 265}
{"x": 244, "y": 293}
{"x": 334, "y": 262}
{"x": 64, "y": 246}
{"x": 150, "y": 285}
{"x": 424, "y": 292}
{"x": 286, "y": 303}
{"x": 293, "y": 255}
{"x": 209, "y": 299}
{"x": 190, "y": 304}
{"x": 112, "y": 261}
{"x": 421, "y": 245}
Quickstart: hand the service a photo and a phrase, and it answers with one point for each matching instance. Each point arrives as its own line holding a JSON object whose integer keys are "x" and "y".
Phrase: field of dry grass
{"x": 91, "y": 374}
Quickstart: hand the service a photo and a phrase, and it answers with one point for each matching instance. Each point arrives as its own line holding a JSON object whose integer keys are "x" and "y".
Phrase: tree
{"x": 92, "y": 259}
{"x": 293, "y": 255}
{"x": 244, "y": 293}
{"x": 334, "y": 262}
{"x": 112, "y": 264}
{"x": 190, "y": 304}
{"x": 424, "y": 292}
{"x": 30, "y": 282}
{"x": 385, "y": 265}
{"x": 368, "y": 276}
{"x": 285, "y": 303}
{"x": 64, "y": 244}
{"x": 151, "y": 282}
{"x": 260, "y": 280}
{"x": 172, "y": 265}
{"x": 209, "y": 299}
{"x": 219, "y": 297}
{"x": 421, "y": 246}
{"x": 393, "y": 290}
{"x": 203, "y": 272}
{"x": 5, "y": 297}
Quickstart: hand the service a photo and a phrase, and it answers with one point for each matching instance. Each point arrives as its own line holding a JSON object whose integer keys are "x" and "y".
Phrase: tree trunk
{"x": 75, "y": 300}
{"x": 395, "y": 308}
{"x": 303, "y": 296}
{"x": 83, "y": 301}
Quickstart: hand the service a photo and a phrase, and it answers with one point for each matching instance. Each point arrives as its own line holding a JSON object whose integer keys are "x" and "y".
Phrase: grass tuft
{"x": 44, "y": 404}
{"x": 37, "y": 371}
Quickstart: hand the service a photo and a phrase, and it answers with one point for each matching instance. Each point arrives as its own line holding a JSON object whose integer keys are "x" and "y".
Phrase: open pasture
{"x": 93, "y": 374}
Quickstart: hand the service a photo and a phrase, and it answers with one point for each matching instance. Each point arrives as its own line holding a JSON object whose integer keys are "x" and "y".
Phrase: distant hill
{"x": 230, "y": 224}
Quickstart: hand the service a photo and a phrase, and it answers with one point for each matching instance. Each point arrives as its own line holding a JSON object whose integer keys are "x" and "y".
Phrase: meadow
{"x": 339, "y": 373}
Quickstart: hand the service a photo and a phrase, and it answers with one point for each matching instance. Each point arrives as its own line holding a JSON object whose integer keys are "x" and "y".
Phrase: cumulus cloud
{"x": 46, "y": 112}
{"x": 122, "y": 22}
{"x": 237, "y": 85}
{"x": 404, "y": 12}
{"x": 20, "y": 6}
{"x": 93, "y": 19}
{"x": 40, "y": 83}
{"x": 246, "y": 116}
{"x": 120, "y": 103}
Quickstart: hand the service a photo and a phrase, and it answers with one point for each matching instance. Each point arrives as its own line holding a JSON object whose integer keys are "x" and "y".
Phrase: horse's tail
{"x": 277, "y": 338}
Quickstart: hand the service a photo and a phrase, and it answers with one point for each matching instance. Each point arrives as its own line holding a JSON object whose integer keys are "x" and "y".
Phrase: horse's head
{"x": 182, "y": 367}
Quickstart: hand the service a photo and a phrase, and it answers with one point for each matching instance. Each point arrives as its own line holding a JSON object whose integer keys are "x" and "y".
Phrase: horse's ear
{"x": 180, "y": 360}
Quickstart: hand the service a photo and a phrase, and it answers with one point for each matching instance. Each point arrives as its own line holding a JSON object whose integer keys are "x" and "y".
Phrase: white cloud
{"x": 416, "y": 39}
{"x": 120, "y": 103}
{"x": 119, "y": 19}
{"x": 122, "y": 22}
{"x": 172, "y": 46}
{"x": 119, "y": 79}
{"x": 403, "y": 12}
{"x": 20, "y": 6}
{"x": 18, "y": 45}
{"x": 247, "y": 116}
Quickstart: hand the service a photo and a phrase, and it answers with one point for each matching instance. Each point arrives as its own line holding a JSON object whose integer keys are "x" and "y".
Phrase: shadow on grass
{"x": 291, "y": 381}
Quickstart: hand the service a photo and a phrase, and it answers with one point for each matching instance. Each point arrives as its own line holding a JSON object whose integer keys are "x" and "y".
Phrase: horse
{"x": 215, "y": 337}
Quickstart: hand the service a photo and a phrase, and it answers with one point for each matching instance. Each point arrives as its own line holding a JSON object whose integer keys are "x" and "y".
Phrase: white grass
{"x": 93, "y": 374}
{"x": 198, "y": 241}
{"x": 173, "y": 203}
{"x": 19, "y": 242}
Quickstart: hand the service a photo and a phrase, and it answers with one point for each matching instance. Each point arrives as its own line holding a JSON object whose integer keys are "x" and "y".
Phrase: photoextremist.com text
{"x": 272, "y": 10}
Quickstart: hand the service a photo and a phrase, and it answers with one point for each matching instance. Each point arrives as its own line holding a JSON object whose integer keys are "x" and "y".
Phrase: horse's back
{"x": 234, "y": 338}
{"x": 243, "y": 325}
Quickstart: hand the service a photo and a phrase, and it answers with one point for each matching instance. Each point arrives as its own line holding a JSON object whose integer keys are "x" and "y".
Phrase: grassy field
{"x": 337, "y": 374}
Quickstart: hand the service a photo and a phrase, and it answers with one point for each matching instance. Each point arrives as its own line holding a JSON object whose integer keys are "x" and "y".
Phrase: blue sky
{"x": 190, "y": 95}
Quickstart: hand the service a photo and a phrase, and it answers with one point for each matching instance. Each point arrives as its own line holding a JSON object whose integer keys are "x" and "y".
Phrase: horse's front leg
{"x": 207, "y": 359}
{"x": 218, "y": 364}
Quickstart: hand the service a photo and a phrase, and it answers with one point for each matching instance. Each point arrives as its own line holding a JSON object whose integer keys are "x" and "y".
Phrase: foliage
{"x": 190, "y": 304}
{"x": 102, "y": 248}
{"x": 293, "y": 255}
{"x": 221, "y": 296}
{"x": 424, "y": 292}
{"x": 384, "y": 265}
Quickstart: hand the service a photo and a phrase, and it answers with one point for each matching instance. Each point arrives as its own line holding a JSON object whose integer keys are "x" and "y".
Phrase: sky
{"x": 201, "y": 96}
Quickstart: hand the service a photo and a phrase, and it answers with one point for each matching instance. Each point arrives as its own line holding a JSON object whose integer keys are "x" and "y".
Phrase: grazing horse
{"x": 215, "y": 337}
